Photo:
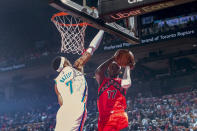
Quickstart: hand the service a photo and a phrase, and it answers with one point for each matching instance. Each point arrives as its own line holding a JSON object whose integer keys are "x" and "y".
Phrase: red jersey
{"x": 111, "y": 97}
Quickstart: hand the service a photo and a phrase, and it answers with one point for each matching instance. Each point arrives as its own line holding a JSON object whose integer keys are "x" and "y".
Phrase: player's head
{"x": 114, "y": 70}
{"x": 59, "y": 63}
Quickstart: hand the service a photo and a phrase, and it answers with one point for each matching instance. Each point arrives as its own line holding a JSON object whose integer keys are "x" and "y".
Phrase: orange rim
{"x": 62, "y": 24}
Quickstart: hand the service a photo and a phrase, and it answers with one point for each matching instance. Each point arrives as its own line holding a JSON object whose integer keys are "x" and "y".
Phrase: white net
{"x": 72, "y": 32}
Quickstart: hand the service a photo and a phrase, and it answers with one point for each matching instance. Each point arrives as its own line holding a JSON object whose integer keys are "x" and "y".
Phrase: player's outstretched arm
{"x": 126, "y": 80}
{"x": 79, "y": 63}
{"x": 60, "y": 101}
{"x": 100, "y": 71}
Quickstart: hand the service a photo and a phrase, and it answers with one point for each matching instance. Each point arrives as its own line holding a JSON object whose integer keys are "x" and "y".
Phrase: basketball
{"x": 124, "y": 57}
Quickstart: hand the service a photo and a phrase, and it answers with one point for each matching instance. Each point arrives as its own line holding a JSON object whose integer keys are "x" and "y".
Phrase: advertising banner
{"x": 169, "y": 36}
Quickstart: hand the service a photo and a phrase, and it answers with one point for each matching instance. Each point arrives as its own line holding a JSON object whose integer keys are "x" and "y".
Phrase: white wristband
{"x": 97, "y": 40}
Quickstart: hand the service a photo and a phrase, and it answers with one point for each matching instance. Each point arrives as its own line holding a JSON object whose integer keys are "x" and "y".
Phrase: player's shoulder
{"x": 66, "y": 74}
{"x": 106, "y": 79}
{"x": 68, "y": 69}
{"x": 117, "y": 79}
{"x": 112, "y": 79}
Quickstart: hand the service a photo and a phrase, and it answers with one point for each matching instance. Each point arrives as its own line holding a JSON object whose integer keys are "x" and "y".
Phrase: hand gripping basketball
{"x": 124, "y": 58}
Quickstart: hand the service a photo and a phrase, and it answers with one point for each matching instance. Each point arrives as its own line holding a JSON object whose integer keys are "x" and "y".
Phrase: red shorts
{"x": 113, "y": 122}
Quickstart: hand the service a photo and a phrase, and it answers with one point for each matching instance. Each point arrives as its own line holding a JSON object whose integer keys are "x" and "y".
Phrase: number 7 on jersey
{"x": 69, "y": 83}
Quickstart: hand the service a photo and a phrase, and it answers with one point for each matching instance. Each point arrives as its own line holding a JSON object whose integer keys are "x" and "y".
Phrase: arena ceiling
{"x": 24, "y": 21}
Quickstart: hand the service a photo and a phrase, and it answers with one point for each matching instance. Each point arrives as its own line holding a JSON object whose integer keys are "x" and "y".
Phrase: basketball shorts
{"x": 114, "y": 122}
{"x": 70, "y": 121}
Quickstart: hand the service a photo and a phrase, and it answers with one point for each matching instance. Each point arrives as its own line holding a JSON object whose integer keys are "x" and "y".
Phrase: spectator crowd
{"x": 175, "y": 112}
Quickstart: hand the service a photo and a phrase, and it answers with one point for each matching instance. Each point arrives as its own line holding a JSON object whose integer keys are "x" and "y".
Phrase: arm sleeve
{"x": 79, "y": 63}
{"x": 126, "y": 80}
{"x": 95, "y": 42}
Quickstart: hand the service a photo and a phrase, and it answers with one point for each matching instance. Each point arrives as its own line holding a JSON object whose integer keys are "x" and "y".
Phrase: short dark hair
{"x": 56, "y": 63}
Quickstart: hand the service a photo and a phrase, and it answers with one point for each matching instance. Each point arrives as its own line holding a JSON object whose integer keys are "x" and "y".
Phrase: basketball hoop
{"x": 72, "y": 32}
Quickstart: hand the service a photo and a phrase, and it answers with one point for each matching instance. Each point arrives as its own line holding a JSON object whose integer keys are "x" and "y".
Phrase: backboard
{"x": 113, "y": 10}
{"x": 90, "y": 15}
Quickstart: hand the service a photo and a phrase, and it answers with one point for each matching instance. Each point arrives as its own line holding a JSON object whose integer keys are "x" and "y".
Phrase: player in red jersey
{"x": 111, "y": 96}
